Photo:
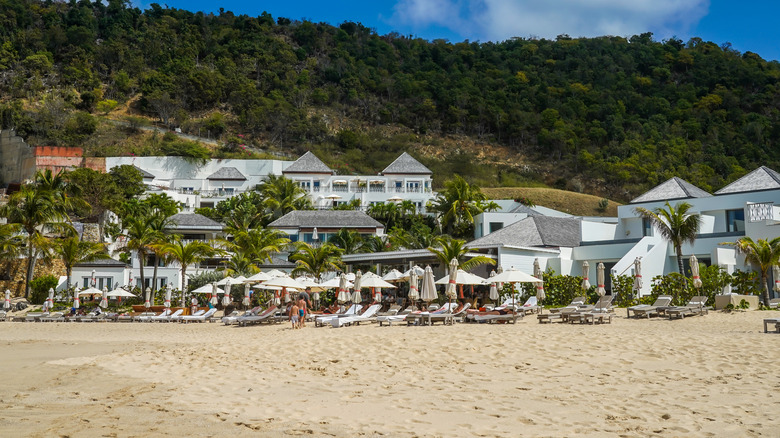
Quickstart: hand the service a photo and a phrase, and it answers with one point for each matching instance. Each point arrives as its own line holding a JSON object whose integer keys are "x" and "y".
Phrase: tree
{"x": 674, "y": 224}
{"x": 762, "y": 253}
{"x": 140, "y": 238}
{"x": 456, "y": 206}
{"x": 282, "y": 195}
{"x": 315, "y": 261}
{"x": 258, "y": 244}
{"x": 349, "y": 240}
{"x": 448, "y": 248}
{"x": 72, "y": 250}
{"x": 11, "y": 242}
{"x": 185, "y": 254}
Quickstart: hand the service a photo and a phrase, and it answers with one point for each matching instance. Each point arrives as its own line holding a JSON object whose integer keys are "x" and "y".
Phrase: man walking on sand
{"x": 303, "y": 310}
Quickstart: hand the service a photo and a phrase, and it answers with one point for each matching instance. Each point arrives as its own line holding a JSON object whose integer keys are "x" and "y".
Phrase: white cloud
{"x": 497, "y": 20}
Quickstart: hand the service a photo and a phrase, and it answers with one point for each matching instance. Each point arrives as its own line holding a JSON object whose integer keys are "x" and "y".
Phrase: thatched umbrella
{"x": 585, "y": 270}
{"x": 695, "y": 271}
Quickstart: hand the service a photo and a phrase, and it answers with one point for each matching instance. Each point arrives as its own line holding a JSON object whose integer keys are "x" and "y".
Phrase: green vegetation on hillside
{"x": 611, "y": 116}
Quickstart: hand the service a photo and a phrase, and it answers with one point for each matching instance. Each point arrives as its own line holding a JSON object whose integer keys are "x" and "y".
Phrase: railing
{"x": 376, "y": 189}
{"x": 340, "y": 188}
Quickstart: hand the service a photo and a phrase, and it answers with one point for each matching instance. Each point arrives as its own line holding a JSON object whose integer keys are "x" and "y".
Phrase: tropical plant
{"x": 377, "y": 244}
{"x": 72, "y": 250}
{"x": 11, "y": 241}
{"x": 185, "y": 253}
{"x": 40, "y": 288}
{"x": 674, "y": 224}
{"x": 349, "y": 240}
{"x": 761, "y": 253}
{"x": 159, "y": 221}
{"x": 258, "y": 245}
{"x": 456, "y": 206}
{"x": 315, "y": 261}
{"x": 140, "y": 237}
{"x": 282, "y": 195}
{"x": 448, "y": 248}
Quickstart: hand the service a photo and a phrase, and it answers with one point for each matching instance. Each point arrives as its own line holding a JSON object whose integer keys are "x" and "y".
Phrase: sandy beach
{"x": 714, "y": 375}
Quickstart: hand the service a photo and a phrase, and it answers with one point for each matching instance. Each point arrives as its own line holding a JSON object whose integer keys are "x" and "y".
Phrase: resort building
{"x": 315, "y": 227}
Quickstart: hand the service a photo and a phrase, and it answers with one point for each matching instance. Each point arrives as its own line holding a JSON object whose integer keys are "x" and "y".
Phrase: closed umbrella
{"x": 226, "y": 297}
{"x": 493, "y": 288}
{"x": 343, "y": 294}
{"x": 775, "y": 273}
{"x": 168, "y": 297}
{"x": 76, "y": 302}
{"x": 540, "y": 284}
{"x": 695, "y": 271}
{"x": 51, "y": 299}
{"x": 93, "y": 279}
{"x": 104, "y": 299}
{"x": 451, "y": 288}
{"x": 585, "y": 270}
{"x": 214, "y": 298}
{"x": 7, "y": 303}
{"x": 147, "y": 304}
{"x": 414, "y": 295}
{"x": 637, "y": 276}
{"x": 246, "y": 294}
{"x": 600, "y": 280}
{"x": 315, "y": 235}
{"x": 357, "y": 297}
{"x": 428, "y": 289}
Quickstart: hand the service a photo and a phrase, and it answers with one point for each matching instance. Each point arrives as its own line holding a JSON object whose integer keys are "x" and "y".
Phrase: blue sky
{"x": 748, "y": 26}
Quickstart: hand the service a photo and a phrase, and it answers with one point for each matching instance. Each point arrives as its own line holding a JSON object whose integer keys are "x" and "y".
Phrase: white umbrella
{"x": 51, "y": 299}
{"x": 539, "y": 285}
{"x": 168, "y": 297}
{"x": 93, "y": 279}
{"x": 273, "y": 273}
{"x": 147, "y": 304}
{"x": 7, "y": 303}
{"x": 120, "y": 293}
{"x": 214, "y": 291}
{"x": 226, "y": 297}
{"x": 246, "y": 294}
{"x": 224, "y": 281}
{"x": 357, "y": 296}
{"x": 358, "y": 280}
{"x": 637, "y": 276}
{"x": 416, "y": 269}
{"x": 90, "y": 291}
{"x": 393, "y": 275}
{"x": 285, "y": 282}
{"x": 463, "y": 277}
{"x": 374, "y": 282}
{"x": 308, "y": 282}
{"x": 493, "y": 287}
{"x": 515, "y": 276}
{"x": 334, "y": 283}
{"x": 695, "y": 271}
{"x": 208, "y": 289}
{"x": 260, "y": 276}
{"x": 76, "y": 302}
{"x": 585, "y": 269}
{"x": 428, "y": 289}
{"x": 414, "y": 295}
{"x": 775, "y": 273}
{"x": 600, "y": 279}
{"x": 239, "y": 279}
{"x": 343, "y": 296}
{"x": 452, "y": 280}
{"x": 104, "y": 300}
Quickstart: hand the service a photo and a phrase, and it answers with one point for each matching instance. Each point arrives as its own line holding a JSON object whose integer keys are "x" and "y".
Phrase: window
{"x": 735, "y": 220}
{"x": 495, "y": 226}
{"x": 100, "y": 282}
{"x": 647, "y": 227}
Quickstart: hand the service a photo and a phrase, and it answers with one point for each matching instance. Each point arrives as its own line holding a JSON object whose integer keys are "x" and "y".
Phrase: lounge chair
{"x": 179, "y": 317}
{"x": 233, "y": 318}
{"x": 576, "y": 303}
{"x": 2, "y": 315}
{"x": 368, "y": 316}
{"x": 164, "y": 314}
{"x": 562, "y": 314}
{"x": 649, "y": 310}
{"x": 506, "y": 314}
{"x": 321, "y": 320}
{"x": 696, "y": 306}
{"x": 774, "y": 303}
{"x": 449, "y": 318}
{"x": 390, "y": 319}
{"x": 531, "y": 305}
{"x": 53, "y": 317}
{"x": 421, "y": 318}
{"x": 268, "y": 315}
{"x": 169, "y": 317}
{"x": 602, "y": 311}
{"x": 393, "y": 310}
{"x": 772, "y": 321}
{"x": 199, "y": 318}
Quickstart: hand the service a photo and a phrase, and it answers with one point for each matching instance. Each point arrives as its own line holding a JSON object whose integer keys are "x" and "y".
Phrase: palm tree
{"x": 11, "y": 241}
{"x": 35, "y": 209}
{"x": 457, "y": 205}
{"x": 674, "y": 224}
{"x": 140, "y": 238}
{"x": 377, "y": 244}
{"x": 159, "y": 220}
{"x": 349, "y": 240}
{"x": 283, "y": 195}
{"x": 762, "y": 253}
{"x": 258, "y": 244}
{"x": 240, "y": 263}
{"x": 72, "y": 250}
{"x": 185, "y": 253}
{"x": 448, "y": 248}
{"x": 316, "y": 261}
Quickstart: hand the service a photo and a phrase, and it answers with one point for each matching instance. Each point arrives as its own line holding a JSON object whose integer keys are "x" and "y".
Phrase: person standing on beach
{"x": 294, "y": 315}
{"x": 303, "y": 309}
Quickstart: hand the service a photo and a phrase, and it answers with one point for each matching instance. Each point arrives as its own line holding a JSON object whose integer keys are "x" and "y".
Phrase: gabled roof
{"x": 406, "y": 164}
{"x": 542, "y": 231}
{"x": 227, "y": 173}
{"x": 103, "y": 263}
{"x": 762, "y": 178}
{"x": 326, "y": 219}
{"x": 674, "y": 188}
{"x": 308, "y": 163}
{"x": 525, "y": 209}
{"x": 144, "y": 173}
{"x": 193, "y": 221}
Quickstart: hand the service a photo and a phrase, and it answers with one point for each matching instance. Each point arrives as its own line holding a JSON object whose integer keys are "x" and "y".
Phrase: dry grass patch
{"x": 578, "y": 204}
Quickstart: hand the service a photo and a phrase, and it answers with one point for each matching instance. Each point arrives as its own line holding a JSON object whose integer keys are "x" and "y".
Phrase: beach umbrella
{"x": 695, "y": 271}
{"x": 274, "y": 273}
{"x": 226, "y": 297}
{"x": 600, "y": 280}
{"x": 246, "y": 295}
{"x": 428, "y": 290}
{"x": 585, "y": 270}
{"x": 334, "y": 282}
{"x": 90, "y": 291}
{"x": 493, "y": 287}
{"x": 76, "y": 303}
{"x": 93, "y": 279}
{"x": 147, "y": 304}
{"x": 104, "y": 299}
{"x": 343, "y": 296}
{"x": 393, "y": 275}
{"x": 51, "y": 299}
{"x": 120, "y": 293}
{"x": 637, "y": 276}
{"x": 260, "y": 276}
{"x": 7, "y": 303}
{"x": 168, "y": 296}
{"x": 775, "y": 273}
{"x": 374, "y": 281}
{"x": 416, "y": 269}
{"x": 214, "y": 290}
{"x": 414, "y": 295}
{"x": 285, "y": 282}
{"x": 239, "y": 279}
{"x": 539, "y": 285}
{"x": 357, "y": 296}
{"x": 452, "y": 281}
{"x": 515, "y": 276}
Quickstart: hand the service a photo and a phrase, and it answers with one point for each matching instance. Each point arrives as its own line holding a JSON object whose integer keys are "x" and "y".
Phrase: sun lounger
{"x": 449, "y": 318}
{"x": 531, "y": 305}
{"x": 562, "y": 314}
{"x": 422, "y": 318}
{"x": 199, "y": 318}
{"x": 233, "y": 318}
{"x": 321, "y": 320}
{"x": 268, "y": 315}
{"x": 179, "y": 317}
{"x": 390, "y": 319}
{"x": 576, "y": 303}
{"x": 506, "y": 314}
{"x": 774, "y": 303}
{"x": 31, "y": 317}
{"x": 649, "y": 310}
{"x": 169, "y": 317}
{"x": 150, "y": 318}
{"x": 696, "y": 306}
{"x": 602, "y": 311}
{"x": 772, "y": 321}
{"x": 53, "y": 317}
{"x": 368, "y": 316}
{"x": 393, "y": 310}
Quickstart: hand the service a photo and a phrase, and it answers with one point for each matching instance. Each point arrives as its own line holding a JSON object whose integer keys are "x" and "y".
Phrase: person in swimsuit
{"x": 302, "y": 311}
{"x": 294, "y": 315}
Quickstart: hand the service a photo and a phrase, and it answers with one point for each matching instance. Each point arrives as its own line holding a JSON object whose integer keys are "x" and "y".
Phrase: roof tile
{"x": 308, "y": 163}
{"x": 762, "y": 178}
{"x": 406, "y": 164}
{"x": 673, "y": 188}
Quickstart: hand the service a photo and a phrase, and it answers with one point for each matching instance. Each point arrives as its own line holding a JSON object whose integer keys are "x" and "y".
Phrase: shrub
{"x": 559, "y": 290}
{"x": 623, "y": 287}
{"x": 746, "y": 283}
{"x": 40, "y": 286}
{"x": 603, "y": 204}
{"x": 204, "y": 278}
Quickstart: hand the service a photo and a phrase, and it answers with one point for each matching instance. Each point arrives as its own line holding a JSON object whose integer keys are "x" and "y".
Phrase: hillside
{"x": 608, "y": 116}
{"x": 578, "y": 204}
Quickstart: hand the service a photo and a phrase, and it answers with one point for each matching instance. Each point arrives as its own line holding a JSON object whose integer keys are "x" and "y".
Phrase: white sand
{"x": 715, "y": 375}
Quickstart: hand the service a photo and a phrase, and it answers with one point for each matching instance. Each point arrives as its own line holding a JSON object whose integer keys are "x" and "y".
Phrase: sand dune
{"x": 703, "y": 376}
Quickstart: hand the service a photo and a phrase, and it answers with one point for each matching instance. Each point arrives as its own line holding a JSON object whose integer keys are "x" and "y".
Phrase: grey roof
{"x": 277, "y": 262}
{"x": 227, "y": 173}
{"x": 406, "y": 164}
{"x": 193, "y": 221}
{"x": 326, "y": 219}
{"x": 143, "y": 172}
{"x": 762, "y": 178}
{"x": 103, "y": 263}
{"x": 525, "y": 209}
{"x": 674, "y": 188}
{"x": 308, "y": 163}
{"x": 535, "y": 231}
